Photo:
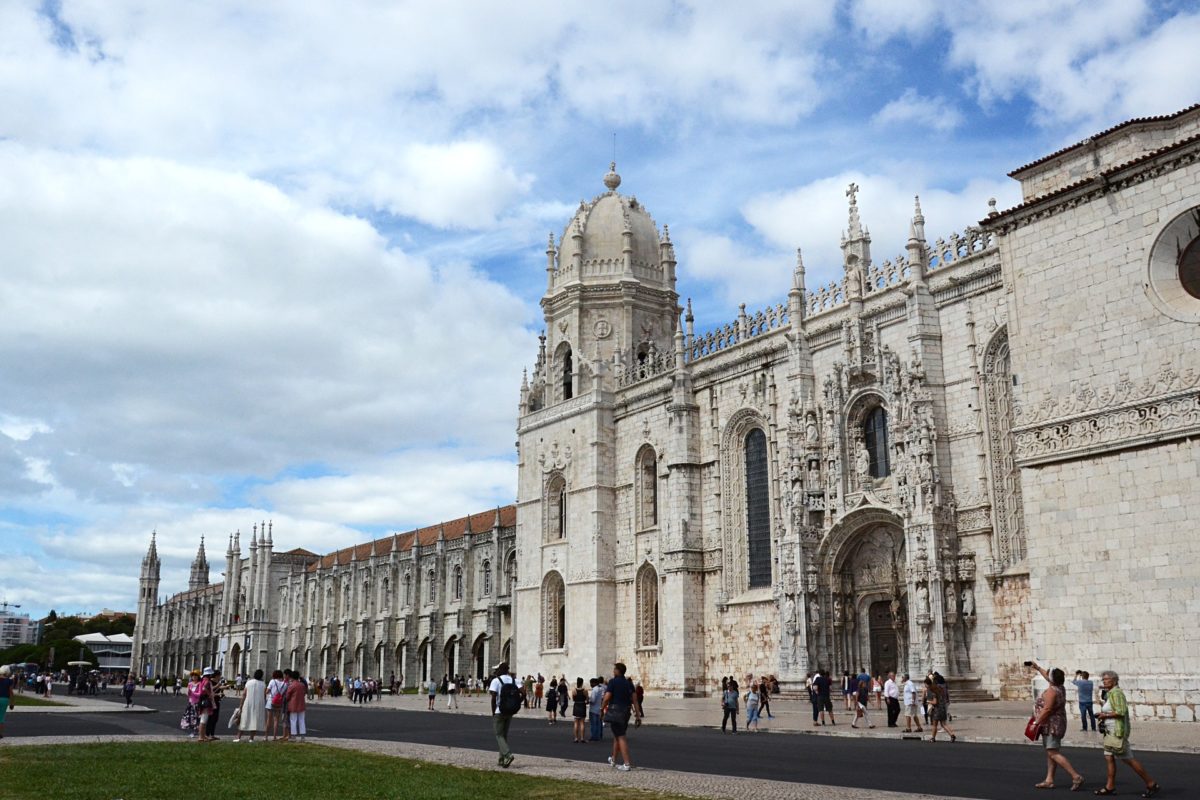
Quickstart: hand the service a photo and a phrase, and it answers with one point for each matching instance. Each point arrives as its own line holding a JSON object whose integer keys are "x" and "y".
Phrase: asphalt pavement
{"x": 961, "y": 769}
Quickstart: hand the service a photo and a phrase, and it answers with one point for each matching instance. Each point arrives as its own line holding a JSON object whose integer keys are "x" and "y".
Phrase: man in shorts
{"x": 822, "y": 687}
{"x": 912, "y": 710}
{"x": 618, "y": 704}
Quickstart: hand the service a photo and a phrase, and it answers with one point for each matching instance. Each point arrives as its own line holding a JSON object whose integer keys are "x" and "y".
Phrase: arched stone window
{"x": 875, "y": 439}
{"x": 510, "y": 575}
{"x": 407, "y": 589}
{"x": 1009, "y": 520}
{"x": 647, "y": 606}
{"x": 567, "y": 367}
{"x": 758, "y": 510}
{"x": 554, "y": 612}
{"x": 458, "y": 582}
{"x": 485, "y": 584}
{"x": 431, "y": 578}
{"x": 555, "y": 505}
{"x": 385, "y": 594}
{"x": 364, "y": 599}
{"x": 646, "y": 488}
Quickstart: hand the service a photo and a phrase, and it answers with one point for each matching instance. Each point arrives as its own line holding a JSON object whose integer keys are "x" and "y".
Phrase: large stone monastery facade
{"x": 979, "y": 450}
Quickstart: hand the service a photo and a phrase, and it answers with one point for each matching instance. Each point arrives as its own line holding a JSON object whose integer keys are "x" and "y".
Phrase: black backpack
{"x": 510, "y": 700}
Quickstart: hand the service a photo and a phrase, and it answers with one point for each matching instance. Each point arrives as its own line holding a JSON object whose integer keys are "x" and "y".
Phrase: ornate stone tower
{"x": 198, "y": 578}
{"x": 147, "y": 598}
{"x": 610, "y": 307}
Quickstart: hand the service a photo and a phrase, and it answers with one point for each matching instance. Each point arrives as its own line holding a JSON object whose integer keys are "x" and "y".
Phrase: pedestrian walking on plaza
{"x": 729, "y": 704}
{"x": 911, "y": 710}
{"x": 891, "y": 695}
{"x": 579, "y": 709}
{"x": 595, "y": 700}
{"x": 753, "y": 707}
{"x": 431, "y": 688}
{"x": 452, "y": 695}
{"x": 217, "y": 693}
{"x": 823, "y": 686}
{"x": 618, "y": 704}
{"x": 849, "y": 685}
{"x": 564, "y": 697}
{"x": 764, "y": 699}
{"x": 274, "y": 703}
{"x": 538, "y": 690}
{"x": 1050, "y": 713}
{"x": 204, "y": 704}
{"x": 935, "y": 696}
{"x": 863, "y": 687}
{"x": 507, "y": 699}
{"x": 130, "y": 685}
{"x": 552, "y": 701}
{"x": 296, "y": 703}
{"x": 6, "y": 694}
{"x": 253, "y": 710}
{"x": 1116, "y": 717}
{"x": 1084, "y": 689}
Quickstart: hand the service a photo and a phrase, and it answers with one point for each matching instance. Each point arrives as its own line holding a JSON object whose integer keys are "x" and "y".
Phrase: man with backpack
{"x": 507, "y": 700}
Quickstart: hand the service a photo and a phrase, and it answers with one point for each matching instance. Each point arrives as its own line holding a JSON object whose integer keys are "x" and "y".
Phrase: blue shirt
{"x": 1085, "y": 689}
{"x": 621, "y": 689}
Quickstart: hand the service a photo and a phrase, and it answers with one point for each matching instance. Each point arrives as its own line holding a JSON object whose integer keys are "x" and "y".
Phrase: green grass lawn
{"x": 34, "y": 700}
{"x": 161, "y": 771}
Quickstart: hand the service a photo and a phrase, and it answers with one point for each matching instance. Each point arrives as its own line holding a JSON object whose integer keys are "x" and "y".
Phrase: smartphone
{"x": 1029, "y": 663}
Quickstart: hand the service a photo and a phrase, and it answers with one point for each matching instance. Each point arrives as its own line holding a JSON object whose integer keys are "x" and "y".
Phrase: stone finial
{"x": 611, "y": 179}
{"x": 666, "y": 234}
{"x": 854, "y": 227}
{"x": 992, "y": 212}
{"x": 798, "y": 272}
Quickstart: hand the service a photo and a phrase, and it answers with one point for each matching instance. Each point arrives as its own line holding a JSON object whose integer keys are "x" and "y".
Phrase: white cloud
{"x": 740, "y": 274}
{"x": 911, "y": 108}
{"x": 184, "y": 321}
{"x": 884, "y": 19}
{"x": 811, "y": 216}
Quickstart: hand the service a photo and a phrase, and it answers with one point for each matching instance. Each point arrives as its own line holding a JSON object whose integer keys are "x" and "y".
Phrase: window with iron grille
{"x": 875, "y": 438}
{"x": 758, "y": 510}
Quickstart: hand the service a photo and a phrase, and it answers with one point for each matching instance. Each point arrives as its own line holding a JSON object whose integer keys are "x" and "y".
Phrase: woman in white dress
{"x": 254, "y": 707}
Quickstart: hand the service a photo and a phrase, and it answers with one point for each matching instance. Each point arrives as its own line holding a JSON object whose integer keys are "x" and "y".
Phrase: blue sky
{"x": 283, "y": 260}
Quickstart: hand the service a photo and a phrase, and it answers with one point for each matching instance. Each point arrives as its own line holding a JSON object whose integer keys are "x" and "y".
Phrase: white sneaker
{"x": 610, "y": 762}
{"x": 624, "y": 768}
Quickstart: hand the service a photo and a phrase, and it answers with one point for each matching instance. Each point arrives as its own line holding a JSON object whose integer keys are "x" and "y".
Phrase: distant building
{"x": 17, "y": 629}
{"x": 421, "y": 604}
{"x": 112, "y": 652}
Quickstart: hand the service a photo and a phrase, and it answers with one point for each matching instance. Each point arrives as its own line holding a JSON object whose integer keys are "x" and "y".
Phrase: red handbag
{"x": 1032, "y": 728}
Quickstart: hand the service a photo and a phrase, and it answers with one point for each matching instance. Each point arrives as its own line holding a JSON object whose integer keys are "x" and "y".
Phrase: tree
{"x": 53, "y": 616}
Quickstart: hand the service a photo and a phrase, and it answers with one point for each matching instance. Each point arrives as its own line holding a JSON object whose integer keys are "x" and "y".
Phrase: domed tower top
{"x": 612, "y": 238}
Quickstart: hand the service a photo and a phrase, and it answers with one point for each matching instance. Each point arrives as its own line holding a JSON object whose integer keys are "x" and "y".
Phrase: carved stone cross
{"x": 852, "y": 193}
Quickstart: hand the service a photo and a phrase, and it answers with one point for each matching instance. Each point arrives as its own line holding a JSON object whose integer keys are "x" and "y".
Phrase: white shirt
{"x": 910, "y": 693}
{"x": 890, "y": 689}
{"x": 494, "y": 687}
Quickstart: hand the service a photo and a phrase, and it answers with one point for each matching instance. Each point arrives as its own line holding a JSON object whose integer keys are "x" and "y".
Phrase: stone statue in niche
{"x": 863, "y": 464}
{"x": 922, "y": 601}
{"x": 895, "y": 608}
{"x": 968, "y": 602}
{"x": 814, "y": 612}
{"x": 837, "y": 609}
{"x": 789, "y": 615}
{"x": 951, "y": 599}
{"x": 810, "y": 428}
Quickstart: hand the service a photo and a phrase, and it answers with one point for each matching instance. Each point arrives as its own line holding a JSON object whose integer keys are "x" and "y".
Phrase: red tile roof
{"x": 1102, "y": 134}
{"x": 453, "y": 529}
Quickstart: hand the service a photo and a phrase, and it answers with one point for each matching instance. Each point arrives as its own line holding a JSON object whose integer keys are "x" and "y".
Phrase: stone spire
{"x": 856, "y": 249}
{"x": 198, "y": 578}
{"x": 916, "y": 244}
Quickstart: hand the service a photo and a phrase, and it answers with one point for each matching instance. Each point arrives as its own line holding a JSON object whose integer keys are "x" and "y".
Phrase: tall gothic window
{"x": 647, "y": 606}
{"x": 646, "y": 495}
{"x": 431, "y": 578}
{"x": 1006, "y": 476}
{"x": 385, "y": 597}
{"x": 407, "y": 589}
{"x": 510, "y": 575}
{"x": 458, "y": 583}
{"x": 567, "y": 369}
{"x": 486, "y": 583}
{"x": 554, "y": 612}
{"x": 758, "y": 510}
{"x": 875, "y": 437}
{"x": 556, "y": 511}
